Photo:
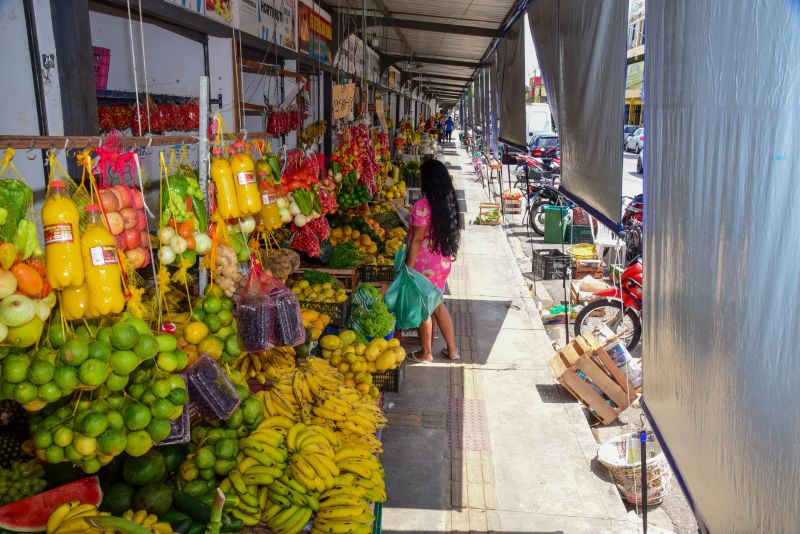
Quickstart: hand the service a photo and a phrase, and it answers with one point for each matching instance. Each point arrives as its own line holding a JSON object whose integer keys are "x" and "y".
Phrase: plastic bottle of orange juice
{"x": 244, "y": 173}
{"x": 62, "y": 245}
{"x": 270, "y": 216}
{"x": 227, "y": 205}
{"x": 103, "y": 273}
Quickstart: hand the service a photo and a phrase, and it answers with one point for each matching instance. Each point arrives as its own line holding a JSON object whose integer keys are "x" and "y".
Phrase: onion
{"x": 300, "y": 220}
{"x": 202, "y": 243}
{"x": 247, "y": 224}
{"x": 177, "y": 244}
{"x": 282, "y": 202}
{"x": 294, "y": 209}
{"x": 166, "y": 256}
{"x": 165, "y": 233}
{"x": 285, "y": 215}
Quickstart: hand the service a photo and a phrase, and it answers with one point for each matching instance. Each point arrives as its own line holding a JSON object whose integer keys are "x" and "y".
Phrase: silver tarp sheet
{"x": 491, "y": 101}
{"x": 511, "y": 81}
{"x": 478, "y": 98}
{"x": 587, "y": 74}
{"x": 722, "y": 313}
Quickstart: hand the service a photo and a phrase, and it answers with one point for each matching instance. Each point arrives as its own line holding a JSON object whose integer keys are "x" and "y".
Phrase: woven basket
{"x": 627, "y": 472}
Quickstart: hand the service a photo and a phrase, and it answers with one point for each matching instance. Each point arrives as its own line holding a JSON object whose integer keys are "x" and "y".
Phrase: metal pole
{"x": 203, "y": 159}
{"x": 643, "y": 441}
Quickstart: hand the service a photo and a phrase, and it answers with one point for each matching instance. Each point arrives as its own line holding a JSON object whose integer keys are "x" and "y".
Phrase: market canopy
{"x": 580, "y": 47}
{"x": 511, "y": 90}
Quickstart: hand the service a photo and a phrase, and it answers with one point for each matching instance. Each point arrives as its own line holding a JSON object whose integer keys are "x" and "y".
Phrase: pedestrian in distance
{"x": 448, "y": 129}
{"x": 434, "y": 242}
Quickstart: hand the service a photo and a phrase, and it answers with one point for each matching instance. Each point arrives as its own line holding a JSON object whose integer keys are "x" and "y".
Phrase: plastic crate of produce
{"x": 376, "y": 273}
{"x": 377, "y": 511}
{"x": 390, "y": 381}
{"x": 550, "y": 264}
{"x": 339, "y": 312}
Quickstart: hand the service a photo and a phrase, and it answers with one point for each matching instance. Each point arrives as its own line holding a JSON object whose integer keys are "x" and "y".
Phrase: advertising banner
{"x": 278, "y": 22}
{"x": 350, "y": 58}
{"x": 314, "y": 31}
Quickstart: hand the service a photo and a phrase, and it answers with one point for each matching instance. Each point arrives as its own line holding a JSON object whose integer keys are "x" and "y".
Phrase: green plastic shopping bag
{"x": 412, "y": 298}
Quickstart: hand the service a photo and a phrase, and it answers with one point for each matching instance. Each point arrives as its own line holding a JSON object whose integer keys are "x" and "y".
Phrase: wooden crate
{"x": 512, "y": 207}
{"x": 348, "y": 277}
{"x": 486, "y": 208}
{"x": 582, "y": 268}
{"x": 586, "y": 354}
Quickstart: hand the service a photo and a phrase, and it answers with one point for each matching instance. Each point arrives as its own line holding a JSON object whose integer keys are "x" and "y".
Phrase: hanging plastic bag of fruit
{"x": 268, "y": 313}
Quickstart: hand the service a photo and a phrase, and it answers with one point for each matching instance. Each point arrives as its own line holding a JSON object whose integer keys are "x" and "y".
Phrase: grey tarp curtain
{"x": 511, "y": 81}
{"x": 479, "y": 100}
{"x": 491, "y": 102}
{"x": 722, "y": 160}
{"x": 585, "y": 81}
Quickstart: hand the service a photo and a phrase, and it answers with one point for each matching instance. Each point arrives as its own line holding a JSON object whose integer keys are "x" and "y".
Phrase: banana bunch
{"x": 288, "y": 520}
{"x": 350, "y": 412}
{"x": 266, "y": 366}
{"x": 361, "y": 469}
{"x": 279, "y": 400}
{"x": 312, "y": 456}
{"x": 262, "y": 459}
{"x": 344, "y": 508}
{"x": 71, "y": 518}
{"x": 149, "y": 521}
{"x": 314, "y": 379}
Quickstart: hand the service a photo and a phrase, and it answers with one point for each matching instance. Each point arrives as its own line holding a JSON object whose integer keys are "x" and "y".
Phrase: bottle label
{"x": 103, "y": 255}
{"x": 58, "y": 233}
{"x": 268, "y": 198}
{"x": 246, "y": 177}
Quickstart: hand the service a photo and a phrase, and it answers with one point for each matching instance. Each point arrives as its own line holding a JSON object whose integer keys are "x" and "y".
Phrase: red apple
{"x": 144, "y": 238}
{"x": 141, "y": 220}
{"x": 109, "y": 201}
{"x": 146, "y": 257}
{"x": 130, "y": 217}
{"x": 116, "y": 224}
{"x": 121, "y": 244}
{"x": 125, "y": 196}
{"x": 138, "y": 199}
{"x": 135, "y": 257}
{"x": 132, "y": 238}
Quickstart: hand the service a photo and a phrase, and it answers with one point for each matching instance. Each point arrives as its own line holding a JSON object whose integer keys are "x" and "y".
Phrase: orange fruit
{"x": 29, "y": 281}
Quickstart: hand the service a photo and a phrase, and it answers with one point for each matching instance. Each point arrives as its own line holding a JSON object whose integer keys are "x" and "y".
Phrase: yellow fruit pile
{"x": 363, "y": 242}
{"x": 318, "y": 292}
{"x": 315, "y": 322}
{"x": 396, "y": 190}
{"x": 269, "y": 365}
{"x": 356, "y": 360}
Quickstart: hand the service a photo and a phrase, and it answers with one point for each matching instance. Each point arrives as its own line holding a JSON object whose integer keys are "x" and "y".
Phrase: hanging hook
{"x": 33, "y": 143}
{"x": 99, "y": 142}
{"x": 149, "y": 141}
{"x": 66, "y": 144}
{"x": 30, "y": 154}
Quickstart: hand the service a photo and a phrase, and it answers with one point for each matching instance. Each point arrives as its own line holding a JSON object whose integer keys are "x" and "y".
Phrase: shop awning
{"x": 511, "y": 84}
{"x": 580, "y": 47}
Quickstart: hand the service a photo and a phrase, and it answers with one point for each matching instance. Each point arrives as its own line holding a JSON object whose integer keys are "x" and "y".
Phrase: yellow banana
{"x": 291, "y": 438}
{"x": 319, "y": 448}
{"x": 263, "y": 498}
{"x": 261, "y": 456}
{"x": 342, "y": 512}
{"x": 58, "y": 515}
{"x": 323, "y": 465}
{"x": 355, "y": 467}
{"x": 262, "y": 470}
{"x": 246, "y": 463}
{"x": 292, "y": 483}
{"x": 247, "y": 519}
{"x": 351, "y": 452}
{"x": 279, "y": 487}
{"x": 81, "y": 510}
{"x": 268, "y": 436}
{"x": 270, "y": 511}
{"x": 238, "y": 483}
{"x": 329, "y": 434}
{"x": 341, "y": 499}
{"x": 277, "y": 422}
{"x": 347, "y": 490}
{"x": 281, "y": 518}
{"x": 327, "y": 413}
{"x": 295, "y": 522}
{"x": 300, "y": 463}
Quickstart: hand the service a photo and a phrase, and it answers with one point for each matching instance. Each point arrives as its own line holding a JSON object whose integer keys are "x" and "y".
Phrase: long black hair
{"x": 437, "y": 187}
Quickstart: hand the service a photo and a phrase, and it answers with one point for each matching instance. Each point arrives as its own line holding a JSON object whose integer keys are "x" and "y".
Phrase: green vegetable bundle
{"x": 16, "y": 198}
{"x": 345, "y": 256}
{"x": 369, "y": 314}
{"x": 183, "y": 199}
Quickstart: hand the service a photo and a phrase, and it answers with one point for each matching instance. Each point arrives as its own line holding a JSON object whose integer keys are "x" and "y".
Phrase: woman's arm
{"x": 417, "y": 235}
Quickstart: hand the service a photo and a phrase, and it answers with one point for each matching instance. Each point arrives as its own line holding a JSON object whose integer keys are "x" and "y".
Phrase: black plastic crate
{"x": 550, "y": 264}
{"x": 579, "y": 234}
{"x": 339, "y": 312}
{"x": 390, "y": 381}
{"x": 376, "y": 273}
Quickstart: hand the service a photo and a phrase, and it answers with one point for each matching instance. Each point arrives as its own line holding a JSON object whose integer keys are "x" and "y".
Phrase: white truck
{"x": 538, "y": 119}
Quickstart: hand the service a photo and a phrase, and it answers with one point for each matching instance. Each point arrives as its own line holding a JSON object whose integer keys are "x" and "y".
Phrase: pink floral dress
{"x": 432, "y": 265}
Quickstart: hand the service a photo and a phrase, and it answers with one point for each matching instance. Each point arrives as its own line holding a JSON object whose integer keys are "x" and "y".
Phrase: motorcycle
{"x": 619, "y": 307}
{"x": 632, "y": 227}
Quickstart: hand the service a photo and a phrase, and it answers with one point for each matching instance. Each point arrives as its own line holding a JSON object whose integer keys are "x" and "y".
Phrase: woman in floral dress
{"x": 435, "y": 237}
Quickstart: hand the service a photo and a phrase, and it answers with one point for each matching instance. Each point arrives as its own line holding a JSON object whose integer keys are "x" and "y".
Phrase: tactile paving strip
{"x": 466, "y": 425}
{"x": 462, "y": 323}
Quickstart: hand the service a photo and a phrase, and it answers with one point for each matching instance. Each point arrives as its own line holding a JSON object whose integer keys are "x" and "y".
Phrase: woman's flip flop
{"x": 447, "y": 355}
{"x": 416, "y": 359}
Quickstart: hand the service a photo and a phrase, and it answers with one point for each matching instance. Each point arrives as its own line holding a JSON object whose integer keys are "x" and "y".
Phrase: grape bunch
{"x": 20, "y": 480}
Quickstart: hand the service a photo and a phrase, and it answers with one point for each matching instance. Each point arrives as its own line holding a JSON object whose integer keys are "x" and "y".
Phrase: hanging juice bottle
{"x": 103, "y": 274}
{"x": 223, "y": 182}
{"x": 244, "y": 174}
{"x": 62, "y": 245}
{"x": 74, "y": 302}
{"x": 270, "y": 214}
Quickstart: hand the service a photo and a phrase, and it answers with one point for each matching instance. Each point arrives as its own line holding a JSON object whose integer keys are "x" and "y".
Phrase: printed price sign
{"x": 343, "y": 96}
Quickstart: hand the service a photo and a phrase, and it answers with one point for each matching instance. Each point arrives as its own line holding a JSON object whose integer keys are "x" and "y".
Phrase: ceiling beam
{"x": 436, "y": 83}
{"x": 434, "y": 61}
{"x": 422, "y": 75}
{"x": 426, "y": 26}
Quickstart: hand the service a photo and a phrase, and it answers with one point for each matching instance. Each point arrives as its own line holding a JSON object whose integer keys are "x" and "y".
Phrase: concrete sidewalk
{"x": 491, "y": 443}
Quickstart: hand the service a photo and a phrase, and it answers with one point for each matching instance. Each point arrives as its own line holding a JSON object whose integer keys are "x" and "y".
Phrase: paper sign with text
{"x": 343, "y": 96}
{"x": 380, "y": 113}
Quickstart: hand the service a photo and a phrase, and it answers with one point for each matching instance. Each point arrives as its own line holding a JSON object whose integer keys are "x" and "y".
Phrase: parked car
{"x": 639, "y": 162}
{"x": 627, "y": 131}
{"x": 635, "y": 142}
{"x": 540, "y": 144}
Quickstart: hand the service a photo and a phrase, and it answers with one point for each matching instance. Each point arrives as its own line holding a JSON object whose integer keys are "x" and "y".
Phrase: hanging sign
{"x": 379, "y": 112}
{"x": 314, "y": 31}
{"x": 343, "y": 96}
{"x": 350, "y": 58}
{"x": 278, "y": 22}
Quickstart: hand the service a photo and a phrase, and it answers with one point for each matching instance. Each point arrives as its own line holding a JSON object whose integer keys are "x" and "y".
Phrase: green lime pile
{"x": 20, "y": 480}
{"x": 214, "y": 446}
{"x": 85, "y": 360}
{"x": 213, "y": 328}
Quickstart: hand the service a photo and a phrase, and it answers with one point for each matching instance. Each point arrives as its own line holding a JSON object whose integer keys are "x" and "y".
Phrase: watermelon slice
{"x": 31, "y": 513}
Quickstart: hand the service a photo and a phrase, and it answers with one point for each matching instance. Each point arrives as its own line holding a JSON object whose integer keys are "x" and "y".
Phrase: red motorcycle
{"x": 619, "y": 307}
